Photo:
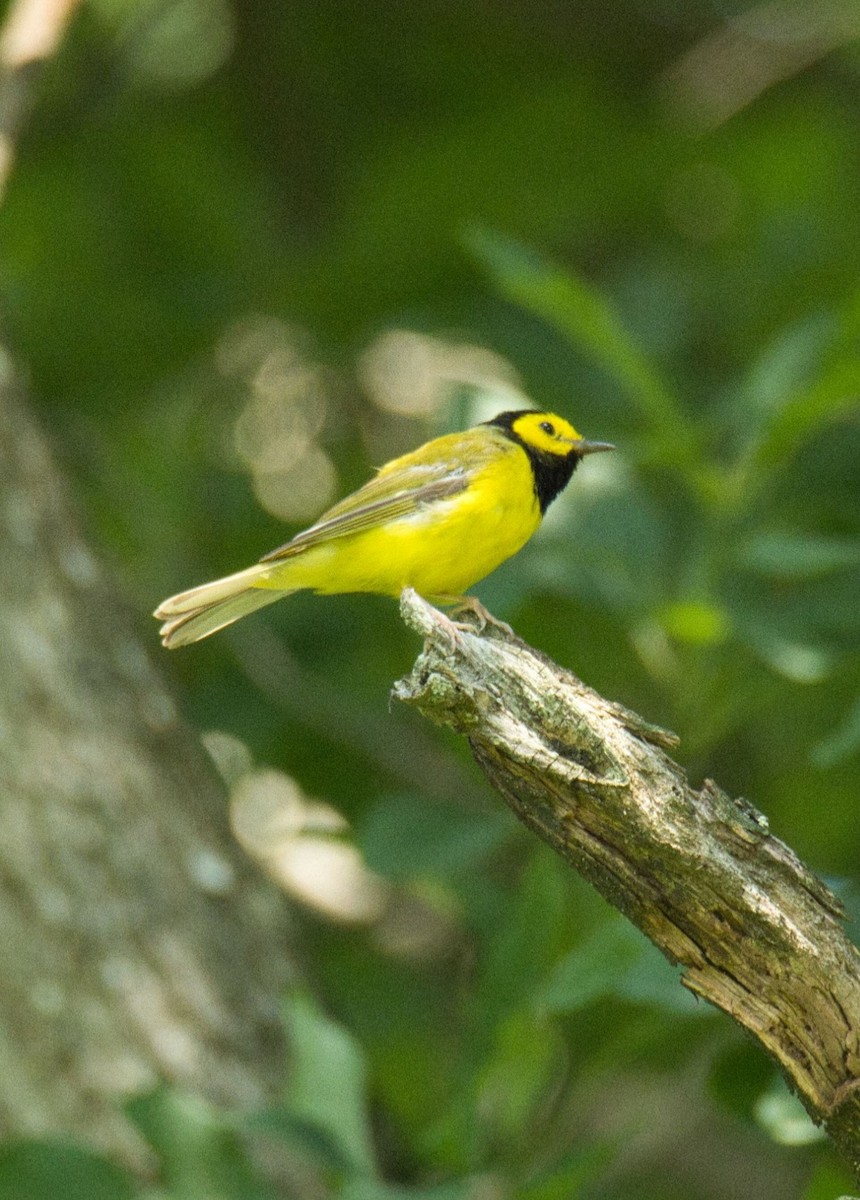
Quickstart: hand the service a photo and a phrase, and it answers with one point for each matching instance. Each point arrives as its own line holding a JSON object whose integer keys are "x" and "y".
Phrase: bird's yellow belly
{"x": 439, "y": 550}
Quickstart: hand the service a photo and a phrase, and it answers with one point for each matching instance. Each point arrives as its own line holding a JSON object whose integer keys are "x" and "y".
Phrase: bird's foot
{"x": 480, "y": 617}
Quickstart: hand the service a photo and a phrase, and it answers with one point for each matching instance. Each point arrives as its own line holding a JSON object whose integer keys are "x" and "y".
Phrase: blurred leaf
{"x": 200, "y": 1153}
{"x": 835, "y": 394}
{"x": 617, "y": 960}
{"x": 519, "y": 942}
{"x": 306, "y": 1137}
{"x": 521, "y": 947}
{"x": 787, "y": 368}
{"x": 569, "y": 1178}
{"x": 830, "y": 1181}
{"x": 514, "y": 162}
{"x": 513, "y": 1080}
{"x": 328, "y": 1081}
{"x": 372, "y": 1189}
{"x": 695, "y": 622}
{"x": 806, "y": 379}
{"x": 49, "y": 1170}
{"x": 606, "y": 543}
{"x": 842, "y": 742}
{"x": 794, "y": 660}
{"x": 169, "y": 46}
{"x": 404, "y": 836}
{"x": 848, "y": 891}
{"x": 782, "y": 1116}
{"x": 790, "y": 362}
{"x": 579, "y": 310}
{"x": 739, "y": 1076}
{"x": 770, "y": 634}
{"x": 793, "y": 556}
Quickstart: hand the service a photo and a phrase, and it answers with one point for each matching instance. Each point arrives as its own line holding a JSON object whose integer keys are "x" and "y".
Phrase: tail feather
{"x": 192, "y": 615}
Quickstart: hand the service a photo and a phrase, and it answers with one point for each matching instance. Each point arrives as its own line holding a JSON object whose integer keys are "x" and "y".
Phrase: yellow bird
{"x": 436, "y": 520}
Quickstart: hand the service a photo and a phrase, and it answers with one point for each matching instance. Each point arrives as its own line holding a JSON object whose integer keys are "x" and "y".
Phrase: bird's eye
{"x": 547, "y": 428}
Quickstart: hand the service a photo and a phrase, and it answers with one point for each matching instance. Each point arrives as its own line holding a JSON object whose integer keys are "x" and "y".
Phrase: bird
{"x": 437, "y": 519}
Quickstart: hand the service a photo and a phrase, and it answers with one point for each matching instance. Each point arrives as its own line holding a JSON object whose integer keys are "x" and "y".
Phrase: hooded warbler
{"x": 437, "y": 519}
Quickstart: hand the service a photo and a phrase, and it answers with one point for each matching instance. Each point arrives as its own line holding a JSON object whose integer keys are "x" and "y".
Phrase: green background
{"x": 643, "y": 216}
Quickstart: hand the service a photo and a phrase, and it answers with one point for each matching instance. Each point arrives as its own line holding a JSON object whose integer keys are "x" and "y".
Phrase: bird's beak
{"x": 581, "y": 446}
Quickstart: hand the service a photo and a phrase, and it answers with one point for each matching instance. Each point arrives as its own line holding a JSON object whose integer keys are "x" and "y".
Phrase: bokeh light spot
{"x": 412, "y": 374}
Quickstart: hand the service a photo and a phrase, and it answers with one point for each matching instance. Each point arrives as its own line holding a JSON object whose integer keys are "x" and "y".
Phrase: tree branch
{"x": 697, "y": 871}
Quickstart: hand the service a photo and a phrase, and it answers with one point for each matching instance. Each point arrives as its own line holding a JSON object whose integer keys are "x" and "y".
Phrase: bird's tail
{"x": 192, "y": 615}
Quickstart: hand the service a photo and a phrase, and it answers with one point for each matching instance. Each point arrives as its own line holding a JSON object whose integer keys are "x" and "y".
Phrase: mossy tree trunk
{"x": 137, "y": 943}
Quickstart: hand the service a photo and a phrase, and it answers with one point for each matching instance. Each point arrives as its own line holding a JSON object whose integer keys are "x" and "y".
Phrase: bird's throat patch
{"x": 551, "y": 474}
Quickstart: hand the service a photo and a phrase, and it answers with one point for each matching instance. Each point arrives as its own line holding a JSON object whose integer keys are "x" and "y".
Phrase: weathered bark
{"x": 137, "y": 942}
{"x": 698, "y": 872}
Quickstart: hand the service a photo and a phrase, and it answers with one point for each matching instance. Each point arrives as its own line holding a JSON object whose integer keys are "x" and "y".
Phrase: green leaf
{"x": 520, "y": 948}
{"x": 797, "y": 556}
{"x": 53, "y": 1170}
{"x": 519, "y": 942}
{"x": 517, "y": 1075}
{"x": 579, "y": 311}
{"x": 809, "y": 377}
{"x": 405, "y": 836}
{"x": 835, "y": 394}
{"x": 782, "y": 1115}
{"x": 791, "y": 362}
{"x": 695, "y": 622}
{"x": 305, "y": 1137}
{"x": 374, "y": 1189}
{"x": 848, "y": 892}
{"x": 328, "y": 1081}
{"x": 801, "y": 662}
{"x": 786, "y": 369}
{"x": 568, "y": 1179}
{"x": 200, "y": 1152}
{"x": 617, "y": 960}
{"x": 608, "y": 545}
{"x": 739, "y": 1076}
{"x": 830, "y": 1181}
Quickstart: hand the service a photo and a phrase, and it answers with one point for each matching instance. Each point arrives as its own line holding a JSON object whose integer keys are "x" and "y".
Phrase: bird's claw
{"x": 481, "y": 617}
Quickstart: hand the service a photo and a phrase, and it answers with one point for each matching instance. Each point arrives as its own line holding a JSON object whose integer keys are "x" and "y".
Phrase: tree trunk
{"x": 138, "y": 943}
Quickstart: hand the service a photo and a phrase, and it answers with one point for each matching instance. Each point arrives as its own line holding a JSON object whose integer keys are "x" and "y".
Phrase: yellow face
{"x": 547, "y": 433}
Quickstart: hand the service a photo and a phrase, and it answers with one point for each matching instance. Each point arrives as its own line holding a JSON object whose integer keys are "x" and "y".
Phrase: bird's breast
{"x": 441, "y": 549}
{"x": 446, "y": 546}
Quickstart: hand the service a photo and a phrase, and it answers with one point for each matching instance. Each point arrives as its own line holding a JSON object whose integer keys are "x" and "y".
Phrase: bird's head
{"x": 545, "y": 433}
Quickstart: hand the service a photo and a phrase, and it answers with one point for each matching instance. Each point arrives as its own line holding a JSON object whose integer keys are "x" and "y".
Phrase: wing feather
{"x": 435, "y": 471}
{"x": 362, "y": 511}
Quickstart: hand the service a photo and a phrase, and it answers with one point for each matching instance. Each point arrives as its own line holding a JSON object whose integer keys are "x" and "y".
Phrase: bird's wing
{"x": 402, "y": 487}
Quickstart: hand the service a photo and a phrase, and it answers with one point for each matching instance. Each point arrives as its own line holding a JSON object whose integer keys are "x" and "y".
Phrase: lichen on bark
{"x": 699, "y": 872}
{"x": 138, "y": 943}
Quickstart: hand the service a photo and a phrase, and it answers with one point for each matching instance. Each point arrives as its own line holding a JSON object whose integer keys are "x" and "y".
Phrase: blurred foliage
{"x": 250, "y": 250}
